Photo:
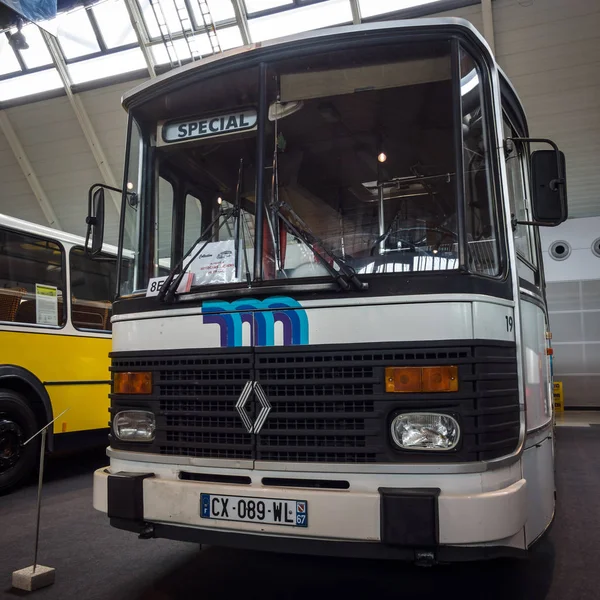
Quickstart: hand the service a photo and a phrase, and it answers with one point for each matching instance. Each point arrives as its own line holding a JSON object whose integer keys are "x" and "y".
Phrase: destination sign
{"x": 213, "y": 126}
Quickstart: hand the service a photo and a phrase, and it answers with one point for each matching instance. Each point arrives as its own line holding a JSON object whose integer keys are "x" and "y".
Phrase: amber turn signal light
{"x": 132, "y": 383}
{"x": 421, "y": 379}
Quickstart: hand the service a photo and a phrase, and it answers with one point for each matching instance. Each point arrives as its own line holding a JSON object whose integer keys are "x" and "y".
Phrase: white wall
{"x": 550, "y": 50}
{"x": 579, "y": 234}
{"x": 574, "y": 307}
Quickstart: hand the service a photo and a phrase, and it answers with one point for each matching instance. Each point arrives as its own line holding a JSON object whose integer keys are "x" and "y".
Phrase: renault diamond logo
{"x": 265, "y": 406}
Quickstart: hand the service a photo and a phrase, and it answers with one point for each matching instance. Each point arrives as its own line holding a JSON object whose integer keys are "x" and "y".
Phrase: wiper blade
{"x": 338, "y": 276}
{"x": 346, "y": 276}
{"x": 167, "y": 292}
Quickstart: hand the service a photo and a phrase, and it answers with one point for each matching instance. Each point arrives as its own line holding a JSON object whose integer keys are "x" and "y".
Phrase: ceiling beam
{"x": 488, "y": 23}
{"x": 34, "y": 182}
{"x": 141, "y": 32}
{"x": 83, "y": 118}
{"x": 356, "y": 18}
{"x": 242, "y": 21}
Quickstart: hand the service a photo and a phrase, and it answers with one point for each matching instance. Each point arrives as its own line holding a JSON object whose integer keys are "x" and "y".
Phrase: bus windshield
{"x": 359, "y": 172}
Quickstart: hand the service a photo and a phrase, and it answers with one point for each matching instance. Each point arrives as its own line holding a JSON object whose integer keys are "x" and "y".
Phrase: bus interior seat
{"x": 83, "y": 315}
{"x": 26, "y": 312}
{"x": 10, "y": 299}
{"x": 87, "y": 316}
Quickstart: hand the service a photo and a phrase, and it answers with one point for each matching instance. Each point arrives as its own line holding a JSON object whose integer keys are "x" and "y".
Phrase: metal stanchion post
{"x": 39, "y": 497}
{"x": 37, "y": 576}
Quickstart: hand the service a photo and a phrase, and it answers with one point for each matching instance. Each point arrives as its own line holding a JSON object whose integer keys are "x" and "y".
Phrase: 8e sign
{"x": 156, "y": 286}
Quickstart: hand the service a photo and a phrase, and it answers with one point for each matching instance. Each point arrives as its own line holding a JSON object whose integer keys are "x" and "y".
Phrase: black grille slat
{"x": 283, "y": 424}
{"x": 225, "y": 453}
{"x": 320, "y": 457}
{"x": 328, "y": 404}
{"x": 315, "y": 391}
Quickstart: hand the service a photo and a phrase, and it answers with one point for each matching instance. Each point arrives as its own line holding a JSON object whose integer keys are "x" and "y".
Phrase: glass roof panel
{"x": 196, "y": 46}
{"x": 31, "y": 83}
{"x": 184, "y": 49}
{"x": 371, "y": 8}
{"x": 253, "y": 6}
{"x": 149, "y": 18}
{"x": 160, "y": 54}
{"x": 298, "y": 20}
{"x": 220, "y": 10}
{"x": 229, "y": 37}
{"x": 37, "y": 55}
{"x": 8, "y": 60}
{"x": 170, "y": 15}
{"x": 114, "y": 23}
{"x": 107, "y": 65}
{"x": 75, "y": 34}
{"x": 202, "y": 44}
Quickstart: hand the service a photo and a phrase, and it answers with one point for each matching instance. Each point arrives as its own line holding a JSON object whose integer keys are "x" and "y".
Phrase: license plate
{"x": 293, "y": 513}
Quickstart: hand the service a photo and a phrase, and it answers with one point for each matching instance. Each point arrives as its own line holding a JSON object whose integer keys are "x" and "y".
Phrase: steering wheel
{"x": 440, "y": 231}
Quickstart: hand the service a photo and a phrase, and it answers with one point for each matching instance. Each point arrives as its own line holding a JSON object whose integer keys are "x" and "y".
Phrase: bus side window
{"x": 164, "y": 225}
{"x": 193, "y": 221}
{"x": 93, "y": 284}
{"x": 31, "y": 280}
{"x": 520, "y": 208}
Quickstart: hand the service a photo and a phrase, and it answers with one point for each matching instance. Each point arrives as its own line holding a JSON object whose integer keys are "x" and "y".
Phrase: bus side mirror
{"x": 95, "y": 222}
{"x": 549, "y": 187}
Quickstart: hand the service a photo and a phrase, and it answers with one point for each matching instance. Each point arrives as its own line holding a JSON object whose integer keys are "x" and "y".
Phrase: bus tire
{"x": 17, "y": 425}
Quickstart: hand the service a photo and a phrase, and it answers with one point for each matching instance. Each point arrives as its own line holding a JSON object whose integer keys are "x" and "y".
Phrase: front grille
{"x": 328, "y": 404}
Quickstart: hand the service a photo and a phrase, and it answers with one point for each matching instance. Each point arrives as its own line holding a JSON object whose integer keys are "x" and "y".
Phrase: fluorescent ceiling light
{"x": 107, "y": 66}
{"x": 253, "y": 6}
{"x": 371, "y": 8}
{"x": 29, "y": 84}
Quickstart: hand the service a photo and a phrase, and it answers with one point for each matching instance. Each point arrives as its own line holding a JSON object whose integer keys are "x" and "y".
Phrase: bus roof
{"x": 48, "y": 232}
{"x": 163, "y": 82}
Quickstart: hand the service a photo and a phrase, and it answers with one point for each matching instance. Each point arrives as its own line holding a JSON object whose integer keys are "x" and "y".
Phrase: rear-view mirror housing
{"x": 95, "y": 222}
{"x": 548, "y": 187}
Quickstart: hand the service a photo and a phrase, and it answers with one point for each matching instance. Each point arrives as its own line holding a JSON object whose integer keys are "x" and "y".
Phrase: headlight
{"x": 134, "y": 425}
{"x": 425, "y": 431}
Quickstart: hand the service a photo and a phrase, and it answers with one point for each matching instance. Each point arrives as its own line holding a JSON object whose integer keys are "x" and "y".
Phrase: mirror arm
{"x": 535, "y": 223}
{"x": 93, "y": 187}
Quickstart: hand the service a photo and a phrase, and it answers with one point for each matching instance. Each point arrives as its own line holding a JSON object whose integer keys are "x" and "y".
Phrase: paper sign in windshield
{"x": 215, "y": 264}
{"x": 46, "y": 304}
{"x": 191, "y": 129}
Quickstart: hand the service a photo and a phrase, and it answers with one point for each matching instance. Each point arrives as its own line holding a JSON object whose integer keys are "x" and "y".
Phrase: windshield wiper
{"x": 167, "y": 292}
{"x": 346, "y": 274}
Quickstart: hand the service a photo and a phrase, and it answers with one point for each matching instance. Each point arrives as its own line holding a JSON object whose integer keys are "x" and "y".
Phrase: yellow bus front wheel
{"x": 17, "y": 425}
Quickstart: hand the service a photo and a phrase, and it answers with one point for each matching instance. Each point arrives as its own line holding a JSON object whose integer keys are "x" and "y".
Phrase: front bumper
{"x": 396, "y": 516}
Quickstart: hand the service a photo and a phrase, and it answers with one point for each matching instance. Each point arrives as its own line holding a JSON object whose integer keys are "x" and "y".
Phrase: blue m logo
{"x": 262, "y": 316}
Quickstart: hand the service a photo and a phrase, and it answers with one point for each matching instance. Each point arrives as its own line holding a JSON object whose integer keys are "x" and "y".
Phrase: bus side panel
{"x": 538, "y": 459}
{"x": 538, "y": 470}
{"x": 536, "y": 367}
{"x": 66, "y": 365}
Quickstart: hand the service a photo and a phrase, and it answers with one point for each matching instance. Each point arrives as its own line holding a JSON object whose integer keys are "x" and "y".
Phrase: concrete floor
{"x": 578, "y": 418}
{"x": 94, "y": 561}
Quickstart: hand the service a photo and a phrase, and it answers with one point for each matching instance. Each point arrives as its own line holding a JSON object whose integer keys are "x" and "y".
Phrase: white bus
{"x": 347, "y": 353}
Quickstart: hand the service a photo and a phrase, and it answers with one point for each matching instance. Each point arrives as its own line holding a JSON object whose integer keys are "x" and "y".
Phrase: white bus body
{"x": 280, "y": 416}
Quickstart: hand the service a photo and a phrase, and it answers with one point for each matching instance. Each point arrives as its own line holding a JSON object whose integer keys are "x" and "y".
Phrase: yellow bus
{"x": 55, "y": 336}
